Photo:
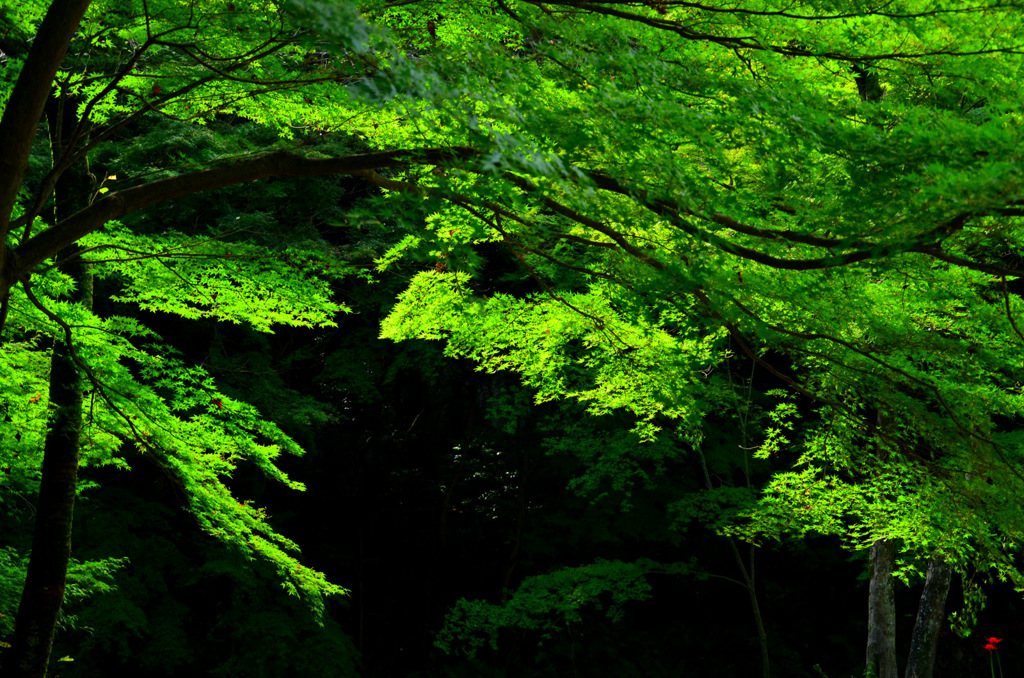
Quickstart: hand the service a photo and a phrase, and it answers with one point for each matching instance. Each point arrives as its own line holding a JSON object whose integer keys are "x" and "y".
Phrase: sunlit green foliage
{"x": 831, "y": 191}
{"x": 838, "y": 186}
{"x": 551, "y": 602}
{"x": 173, "y": 414}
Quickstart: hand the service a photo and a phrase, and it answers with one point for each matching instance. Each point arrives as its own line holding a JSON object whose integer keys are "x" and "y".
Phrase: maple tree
{"x": 831, "y": 191}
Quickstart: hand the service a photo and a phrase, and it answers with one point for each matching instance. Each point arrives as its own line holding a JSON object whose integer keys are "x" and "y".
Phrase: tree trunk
{"x": 51, "y": 541}
{"x": 748, "y": 579}
{"x": 921, "y": 661}
{"x": 881, "y": 653}
{"x": 43, "y": 595}
{"x": 24, "y": 108}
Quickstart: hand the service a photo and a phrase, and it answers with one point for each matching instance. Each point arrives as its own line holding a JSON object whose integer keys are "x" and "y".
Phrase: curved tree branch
{"x": 25, "y": 107}
{"x": 280, "y": 163}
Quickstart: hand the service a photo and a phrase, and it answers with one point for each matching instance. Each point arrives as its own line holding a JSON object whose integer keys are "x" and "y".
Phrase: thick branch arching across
{"x": 114, "y": 205}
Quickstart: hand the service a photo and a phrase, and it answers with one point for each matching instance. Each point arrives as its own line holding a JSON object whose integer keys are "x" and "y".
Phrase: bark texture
{"x": 43, "y": 594}
{"x": 921, "y": 661}
{"x": 881, "y": 652}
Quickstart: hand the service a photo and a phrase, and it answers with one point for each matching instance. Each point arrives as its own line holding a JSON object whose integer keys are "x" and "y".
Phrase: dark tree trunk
{"x": 881, "y": 654}
{"x": 921, "y": 661}
{"x": 868, "y": 85}
{"x": 43, "y": 594}
{"x": 24, "y": 108}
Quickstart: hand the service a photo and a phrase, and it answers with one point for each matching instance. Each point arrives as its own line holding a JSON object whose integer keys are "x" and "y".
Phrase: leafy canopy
{"x": 831, "y": 190}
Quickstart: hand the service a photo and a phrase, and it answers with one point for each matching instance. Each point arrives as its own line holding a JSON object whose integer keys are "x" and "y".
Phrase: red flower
{"x": 991, "y": 647}
{"x": 994, "y": 641}
{"x": 992, "y": 644}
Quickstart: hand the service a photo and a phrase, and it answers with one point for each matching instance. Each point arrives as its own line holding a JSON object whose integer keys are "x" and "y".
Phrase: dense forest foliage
{"x": 511, "y": 338}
